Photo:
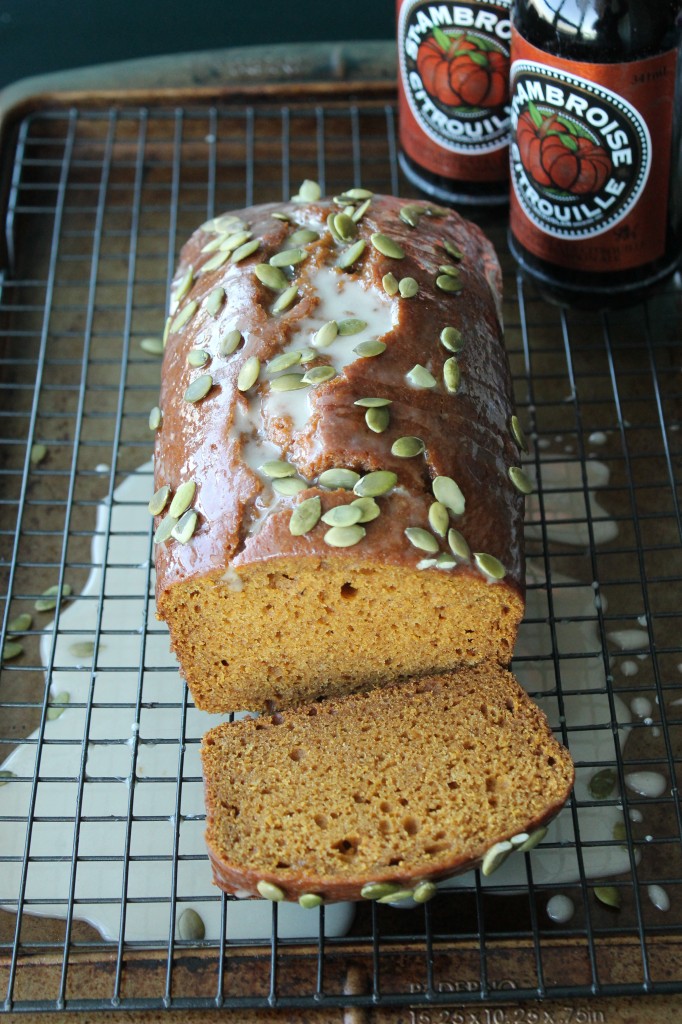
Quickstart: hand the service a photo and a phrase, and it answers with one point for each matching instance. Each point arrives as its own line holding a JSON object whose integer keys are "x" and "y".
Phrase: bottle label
{"x": 590, "y": 158}
{"x": 453, "y": 87}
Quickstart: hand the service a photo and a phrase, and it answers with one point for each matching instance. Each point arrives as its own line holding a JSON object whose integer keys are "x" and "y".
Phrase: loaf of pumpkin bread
{"x": 338, "y": 493}
{"x": 381, "y": 794}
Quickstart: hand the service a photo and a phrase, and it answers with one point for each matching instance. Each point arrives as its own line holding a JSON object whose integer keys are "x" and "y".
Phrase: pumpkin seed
{"x": 421, "y": 539}
{"x": 408, "y": 287}
{"x": 618, "y": 832}
{"x": 227, "y": 222}
{"x": 197, "y": 357}
{"x": 424, "y": 892}
{"x": 377, "y": 890}
{"x": 489, "y": 565}
{"x": 288, "y": 382}
{"x": 338, "y": 477}
{"x": 285, "y": 299}
{"x": 277, "y": 469}
{"x": 248, "y": 374}
{"x": 351, "y": 255}
{"x": 185, "y": 527}
{"x": 216, "y": 261}
{"x": 20, "y": 624}
{"x": 84, "y": 649}
{"x": 307, "y": 355}
{"x": 303, "y": 236}
{"x": 344, "y": 536}
{"x": 342, "y": 515}
{"x": 372, "y": 403}
{"x": 519, "y": 840}
{"x": 198, "y": 388}
{"x": 520, "y": 480}
{"x": 154, "y": 346}
{"x": 60, "y": 700}
{"x": 451, "y": 338}
{"x": 452, "y": 250}
{"x": 326, "y": 334}
{"x": 449, "y": 494}
{"x": 310, "y": 900}
{"x": 449, "y": 268}
{"x": 270, "y": 892}
{"x": 495, "y": 857}
{"x": 458, "y": 545}
{"x": 11, "y": 649}
{"x": 452, "y": 375}
{"x": 427, "y": 563}
{"x": 345, "y": 227}
{"x": 361, "y": 210}
{"x": 369, "y": 510}
{"x": 235, "y": 240}
{"x": 445, "y": 561}
{"x": 283, "y": 361}
{"x": 609, "y": 895}
{"x": 214, "y": 244}
{"x": 448, "y": 284}
{"x": 279, "y": 215}
{"x": 368, "y": 349}
{"x": 439, "y": 518}
{"x": 49, "y": 598}
{"x": 305, "y": 516}
{"x": 309, "y": 191}
{"x": 420, "y": 377}
{"x": 358, "y": 193}
{"x": 376, "y": 483}
{"x": 407, "y": 447}
{"x": 38, "y": 453}
{"x": 319, "y": 374}
{"x": 242, "y": 252}
{"x": 350, "y": 326}
{"x": 397, "y": 897}
{"x": 288, "y": 486}
{"x": 288, "y": 258}
{"x": 214, "y": 301}
{"x": 182, "y": 499}
{"x": 411, "y": 215}
{"x": 157, "y": 502}
{"x": 387, "y": 246}
{"x": 166, "y": 330}
{"x": 155, "y": 418}
{"x": 185, "y": 285}
{"x": 518, "y": 434}
{"x": 191, "y": 926}
{"x": 6, "y": 776}
{"x": 332, "y": 229}
{"x": 184, "y": 316}
{"x": 390, "y": 284}
{"x": 602, "y": 784}
{"x": 230, "y": 343}
{"x": 533, "y": 839}
{"x": 271, "y": 277}
{"x": 378, "y": 419}
{"x": 164, "y": 529}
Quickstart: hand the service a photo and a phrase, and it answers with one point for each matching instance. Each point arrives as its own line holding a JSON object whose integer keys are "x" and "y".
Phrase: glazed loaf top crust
{"x": 220, "y": 440}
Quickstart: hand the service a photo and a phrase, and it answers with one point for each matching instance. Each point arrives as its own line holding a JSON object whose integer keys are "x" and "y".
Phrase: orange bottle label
{"x": 590, "y": 158}
{"x": 453, "y": 87}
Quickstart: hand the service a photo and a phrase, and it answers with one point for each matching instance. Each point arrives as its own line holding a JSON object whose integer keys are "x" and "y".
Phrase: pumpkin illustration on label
{"x": 559, "y": 154}
{"x": 463, "y": 70}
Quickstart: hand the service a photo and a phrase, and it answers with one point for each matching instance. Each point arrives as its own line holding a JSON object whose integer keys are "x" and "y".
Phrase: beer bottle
{"x": 453, "y": 96}
{"x": 595, "y": 146}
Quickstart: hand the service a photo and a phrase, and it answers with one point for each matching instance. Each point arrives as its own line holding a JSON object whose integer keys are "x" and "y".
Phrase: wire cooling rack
{"x": 104, "y": 888}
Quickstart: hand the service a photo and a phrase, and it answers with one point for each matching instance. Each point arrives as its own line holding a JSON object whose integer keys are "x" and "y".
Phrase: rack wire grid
{"x": 101, "y": 815}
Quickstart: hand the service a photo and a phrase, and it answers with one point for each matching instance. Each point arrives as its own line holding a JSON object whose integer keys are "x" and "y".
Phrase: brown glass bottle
{"x": 453, "y": 92}
{"x": 595, "y": 146}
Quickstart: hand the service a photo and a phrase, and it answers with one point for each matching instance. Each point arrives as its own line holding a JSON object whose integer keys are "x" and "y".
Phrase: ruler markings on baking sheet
{"x": 603, "y": 409}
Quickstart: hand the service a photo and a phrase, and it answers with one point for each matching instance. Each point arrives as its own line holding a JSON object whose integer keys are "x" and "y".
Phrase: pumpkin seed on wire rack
{"x": 184, "y": 316}
{"x": 84, "y": 648}
{"x": 344, "y": 536}
{"x": 11, "y": 649}
{"x": 214, "y": 301}
{"x": 458, "y": 545}
{"x": 352, "y": 254}
{"x": 184, "y": 528}
{"x": 407, "y": 447}
{"x": 309, "y": 192}
{"x": 342, "y": 515}
{"x": 6, "y": 776}
{"x": 378, "y": 418}
{"x": 489, "y": 565}
{"x": 289, "y": 486}
{"x": 609, "y": 895}
{"x": 289, "y": 382}
{"x": 376, "y": 483}
{"x": 38, "y": 453}
{"x": 420, "y": 377}
{"x": 21, "y": 623}
{"x": 408, "y": 287}
{"x": 159, "y": 500}
{"x": 517, "y": 433}
{"x": 284, "y": 361}
{"x": 49, "y": 598}
{"x": 198, "y": 388}
{"x": 248, "y": 374}
{"x": 422, "y": 539}
{"x": 369, "y": 349}
{"x": 369, "y": 509}
{"x": 198, "y": 357}
{"x": 452, "y": 375}
{"x": 230, "y": 343}
{"x": 285, "y": 299}
{"x": 387, "y": 246}
{"x": 326, "y": 334}
{"x": 182, "y": 498}
{"x": 338, "y": 478}
{"x": 272, "y": 277}
{"x": 319, "y": 375}
{"x": 242, "y": 252}
{"x": 191, "y": 927}
{"x": 521, "y": 481}
{"x": 439, "y": 518}
{"x": 277, "y": 469}
{"x": 602, "y": 784}
{"x": 303, "y": 236}
{"x": 449, "y": 494}
{"x": 288, "y": 258}
{"x": 390, "y": 284}
{"x": 60, "y": 701}
{"x": 153, "y": 346}
{"x": 164, "y": 529}
{"x": 351, "y": 325}
{"x": 451, "y": 339}
{"x": 446, "y": 283}
{"x": 305, "y": 516}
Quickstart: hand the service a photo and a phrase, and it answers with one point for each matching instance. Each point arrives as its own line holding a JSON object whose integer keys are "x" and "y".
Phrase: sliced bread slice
{"x": 380, "y": 794}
